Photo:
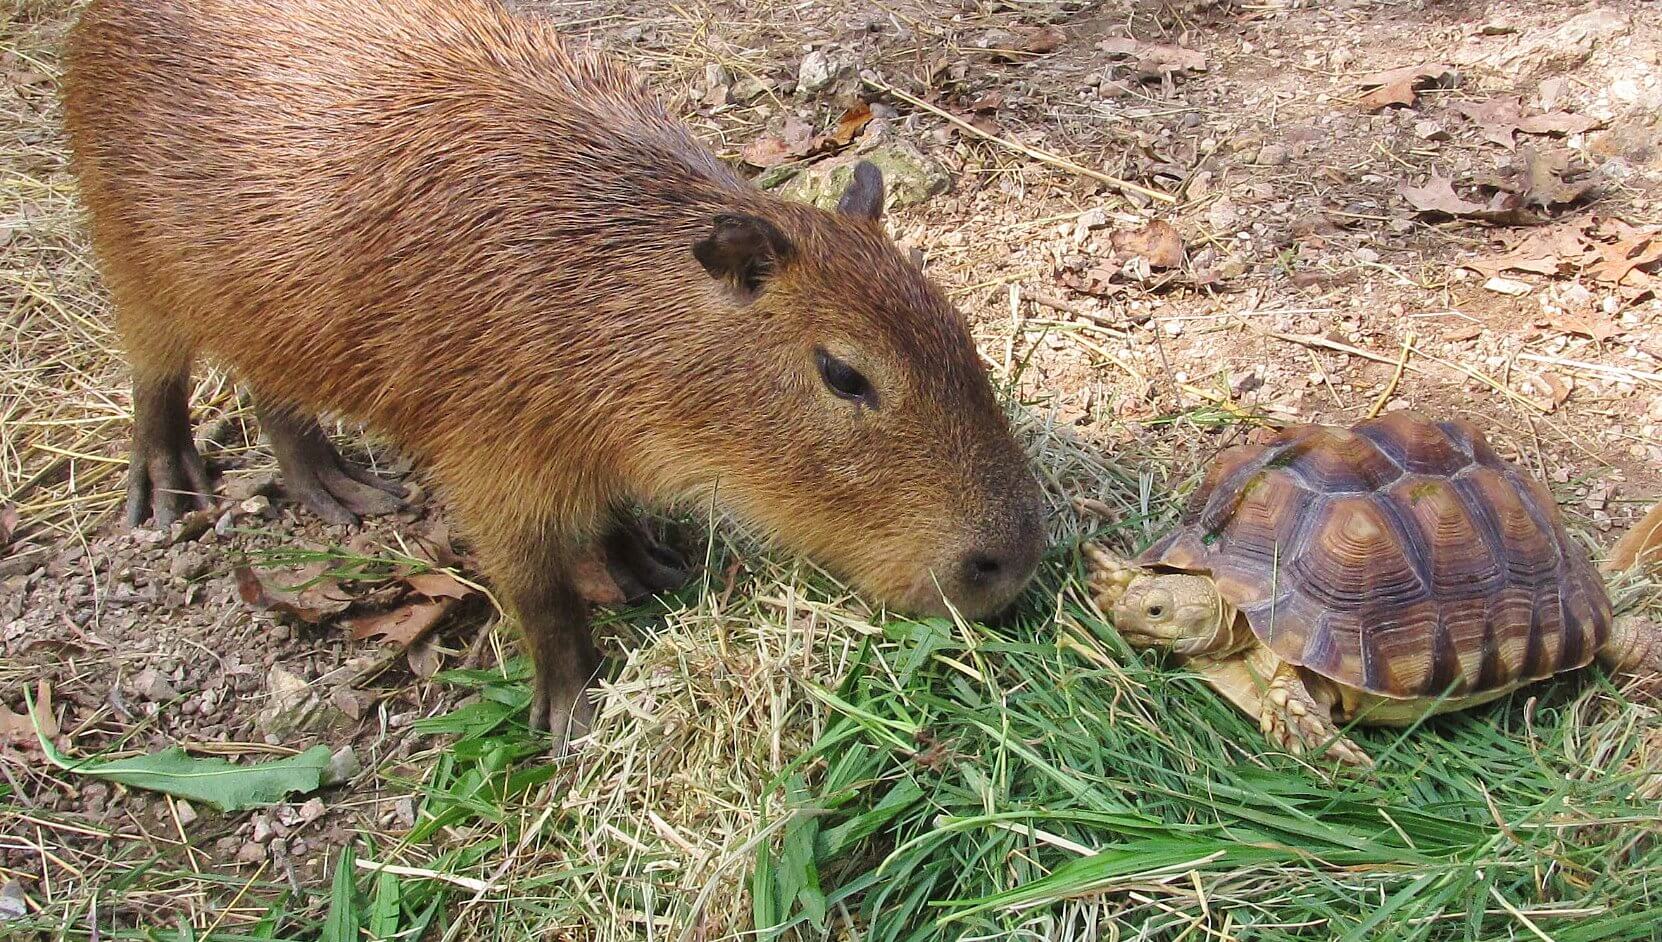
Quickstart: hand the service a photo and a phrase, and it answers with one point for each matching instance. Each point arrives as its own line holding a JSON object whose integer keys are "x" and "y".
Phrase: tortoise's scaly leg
{"x": 1635, "y": 648}
{"x": 1293, "y": 717}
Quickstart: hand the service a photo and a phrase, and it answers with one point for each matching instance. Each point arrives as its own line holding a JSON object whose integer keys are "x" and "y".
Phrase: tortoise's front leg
{"x": 1290, "y": 714}
{"x": 1635, "y": 648}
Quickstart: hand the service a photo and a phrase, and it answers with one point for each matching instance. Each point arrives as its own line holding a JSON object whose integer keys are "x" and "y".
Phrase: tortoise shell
{"x": 1401, "y": 556}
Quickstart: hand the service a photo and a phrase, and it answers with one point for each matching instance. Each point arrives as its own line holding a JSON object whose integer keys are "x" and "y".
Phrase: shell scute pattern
{"x": 1404, "y": 557}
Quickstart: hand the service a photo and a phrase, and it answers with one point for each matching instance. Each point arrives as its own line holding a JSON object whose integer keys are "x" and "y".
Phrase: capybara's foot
{"x": 564, "y": 710}
{"x": 165, "y": 482}
{"x": 315, "y": 473}
{"x": 167, "y": 477}
{"x": 640, "y": 565}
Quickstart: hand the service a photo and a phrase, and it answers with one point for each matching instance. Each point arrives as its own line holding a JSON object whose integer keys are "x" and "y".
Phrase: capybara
{"x": 439, "y": 219}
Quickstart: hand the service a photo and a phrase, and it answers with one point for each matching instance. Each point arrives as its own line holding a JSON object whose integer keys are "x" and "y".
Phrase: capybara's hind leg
{"x": 639, "y": 564}
{"x": 166, "y": 476}
{"x": 314, "y": 471}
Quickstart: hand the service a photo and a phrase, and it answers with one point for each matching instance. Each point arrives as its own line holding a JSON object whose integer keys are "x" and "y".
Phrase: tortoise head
{"x": 1181, "y": 611}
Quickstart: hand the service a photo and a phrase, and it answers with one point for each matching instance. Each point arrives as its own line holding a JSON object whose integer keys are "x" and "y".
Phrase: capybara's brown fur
{"x": 437, "y": 218}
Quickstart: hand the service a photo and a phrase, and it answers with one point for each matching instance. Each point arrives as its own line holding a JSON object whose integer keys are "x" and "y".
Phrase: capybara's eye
{"x": 844, "y": 380}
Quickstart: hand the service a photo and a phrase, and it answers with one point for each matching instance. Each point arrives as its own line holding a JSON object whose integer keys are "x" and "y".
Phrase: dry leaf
{"x": 1641, "y": 544}
{"x": 401, "y": 625}
{"x": 440, "y": 585}
{"x": 1545, "y": 252}
{"x": 1502, "y": 118}
{"x": 1402, "y": 86}
{"x": 1548, "y": 390}
{"x": 765, "y": 152}
{"x": 314, "y": 605}
{"x": 849, "y": 126}
{"x": 1631, "y": 251}
{"x": 1545, "y": 180}
{"x": 1438, "y": 196}
{"x": 1158, "y": 243}
{"x": 1044, "y": 40}
{"x": 19, "y": 728}
{"x": 988, "y": 103}
{"x": 1597, "y": 326}
{"x": 424, "y": 658}
{"x": 1155, "y": 58}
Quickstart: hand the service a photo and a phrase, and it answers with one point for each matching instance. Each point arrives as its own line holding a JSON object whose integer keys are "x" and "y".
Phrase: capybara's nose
{"x": 993, "y": 574}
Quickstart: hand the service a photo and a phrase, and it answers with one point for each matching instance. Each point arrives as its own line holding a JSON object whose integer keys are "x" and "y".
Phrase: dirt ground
{"x": 1279, "y": 271}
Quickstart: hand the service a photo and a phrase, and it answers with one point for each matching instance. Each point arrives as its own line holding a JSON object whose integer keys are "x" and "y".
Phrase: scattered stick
{"x": 1616, "y": 372}
{"x": 1043, "y": 156}
{"x": 1391, "y": 387}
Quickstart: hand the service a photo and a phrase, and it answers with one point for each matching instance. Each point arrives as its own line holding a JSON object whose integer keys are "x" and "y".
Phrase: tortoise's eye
{"x": 1157, "y": 604}
{"x": 844, "y": 381}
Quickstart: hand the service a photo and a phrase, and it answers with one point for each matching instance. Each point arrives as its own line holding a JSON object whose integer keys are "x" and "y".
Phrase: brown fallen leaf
{"x": 20, "y": 728}
{"x": 1642, "y": 544}
{"x": 765, "y": 152}
{"x": 1155, "y": 58}
{"x": 403, "y": 624}
{"x": 1157, "y": 243}
{"x": 1595, "y": 325}
{"x": 988, "y": 103}
{"x": 1546, "y": 182}
{"x": 852, "y": 122}
{"x": 424, "y": 658}
{"x": 1402, "y": 86}
{"x": 1553, "y": 251}
{"x": 440, "y": 585}
{"x": 1045, "y": 40}
{"x": 316, "y": 604}
{"x": 1438, "y": 196}
{"x": 1501, "y": 119}
{"x": 1633, "y": 251}
{"x": 1548, "y": 390}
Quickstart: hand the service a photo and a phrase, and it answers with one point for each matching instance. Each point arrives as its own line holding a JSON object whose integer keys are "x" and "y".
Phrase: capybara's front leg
{"x": 167, "y": 476}
{"x": 555, "y": 621}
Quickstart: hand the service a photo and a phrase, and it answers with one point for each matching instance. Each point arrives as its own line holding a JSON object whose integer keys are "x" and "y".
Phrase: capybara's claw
{"x": 163, "y": 484}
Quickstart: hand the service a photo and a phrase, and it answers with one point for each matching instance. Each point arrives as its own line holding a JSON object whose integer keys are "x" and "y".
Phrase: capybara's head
{"x": 859, "y": 426}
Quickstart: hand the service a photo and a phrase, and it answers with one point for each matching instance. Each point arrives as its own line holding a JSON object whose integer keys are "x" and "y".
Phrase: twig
{"x": 1619, "y": 372}
{"x": 1391, "y": 387}
{"x": 1043, "y": 156}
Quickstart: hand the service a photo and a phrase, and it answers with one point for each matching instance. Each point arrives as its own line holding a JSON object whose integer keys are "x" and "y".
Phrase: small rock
{"x": 251, "y": 853}
{"x": 189, "y": 565}
{"x": 1223, "y": 215}
{"x": 1272, "y": 155}
{"x": 312, "y": 810}
{"x": 821, "y": 69}
{"x": 264, "y": 829}
{"x": 1430, "y": 131}
{"x": 242, "y": 487}
{"x": 187, "y": 814}
{"x": 151, "y": 685}
{"x": 342, "y": 768}
{"x": 1507, "y": 286}
{"x": 909, "y": 177}
{"x": 1366, "y": 255}
{"x": 13, "y": 903}
{"x": 257, "y": 506}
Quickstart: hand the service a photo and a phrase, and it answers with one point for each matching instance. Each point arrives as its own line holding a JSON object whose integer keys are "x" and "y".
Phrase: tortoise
{"x": 1377, "y": 574}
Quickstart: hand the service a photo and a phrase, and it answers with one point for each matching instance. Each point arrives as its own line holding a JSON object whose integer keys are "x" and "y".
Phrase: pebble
{"x": 187, "y": 814}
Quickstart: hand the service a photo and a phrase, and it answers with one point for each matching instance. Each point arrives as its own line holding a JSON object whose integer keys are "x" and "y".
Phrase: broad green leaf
{"x": 215, "y": 782}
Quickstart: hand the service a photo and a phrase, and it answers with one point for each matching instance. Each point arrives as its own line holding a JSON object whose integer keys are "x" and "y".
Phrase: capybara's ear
{"x": 743, "y": 252}
{"x": 864, "y": 196}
